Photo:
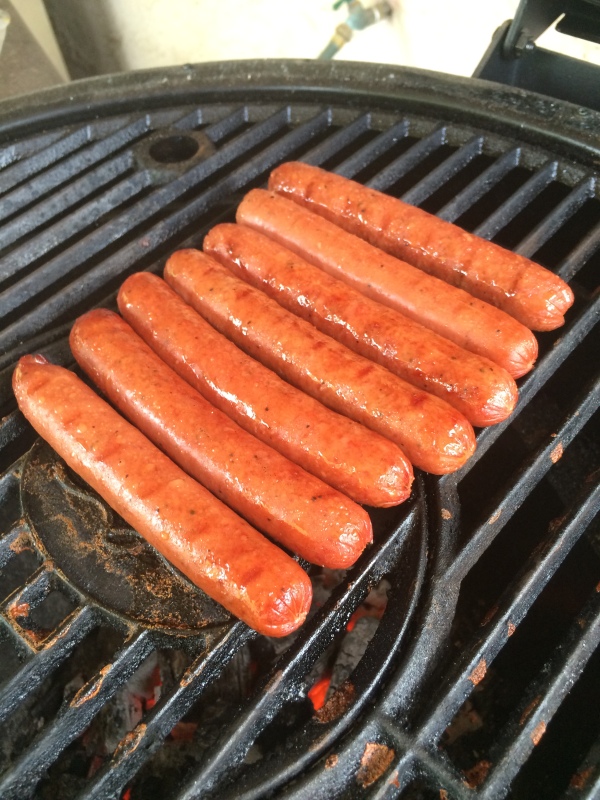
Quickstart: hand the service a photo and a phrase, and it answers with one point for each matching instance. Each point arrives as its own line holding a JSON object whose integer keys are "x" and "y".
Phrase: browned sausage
{"x": 344, "y": 454}
{"x": 481, "y": 390}
{"x": 530, "y": 293}
{"x": 219, "y": 552}
{"x": 449, "y": 311}
{"x": 272, "y": 493}
{"x": 435, "y": 436}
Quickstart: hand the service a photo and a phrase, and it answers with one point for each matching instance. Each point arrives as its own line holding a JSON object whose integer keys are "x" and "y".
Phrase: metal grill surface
{"x": 479, "y": 679}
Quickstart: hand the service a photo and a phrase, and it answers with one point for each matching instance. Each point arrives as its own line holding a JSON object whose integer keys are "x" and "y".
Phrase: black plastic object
{"x": 480, "y": 680}
{"x": 514, "y": 58}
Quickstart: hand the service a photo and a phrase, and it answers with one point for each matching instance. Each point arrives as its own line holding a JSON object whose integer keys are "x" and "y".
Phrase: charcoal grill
{"x": 480, "y": 680}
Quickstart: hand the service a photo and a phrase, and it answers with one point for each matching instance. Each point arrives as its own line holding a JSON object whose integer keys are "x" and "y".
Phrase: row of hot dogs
{"x": 288, "y": 374}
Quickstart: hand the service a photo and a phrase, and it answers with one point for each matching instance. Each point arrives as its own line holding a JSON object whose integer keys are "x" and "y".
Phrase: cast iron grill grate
{"x": 481, "y": 665}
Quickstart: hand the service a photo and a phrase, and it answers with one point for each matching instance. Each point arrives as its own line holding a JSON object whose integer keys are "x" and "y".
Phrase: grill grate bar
{"x": 72, "y": 194}
{"x": 558, "y": 217}
{"x": 26, "y": 169}
{"x": 377, "y": 147}
{"x": 338, "y": 140}
{"x": 24, "y": 290}
{"x": 35, "y": 590}
{"x": 117, "y": 265}
{"x": 568, "y": 340}
{"x": 9, "y": 541}
{"x": 228, "y": 125}
{"x": 584, "y": 250}
{"x": 411, "y": 158}
{"x": 585, "y": 783}
{"x": 418, "y": 759}
{"x": 291, "y": 668}
{"x": 446, "y": 170}
{"x": 525, "y": 195}
{"x": 148, "y": 736}
{"x": 524, "y": 481}
{"x": 85, "y": 158}
{"x": 16, "y": 643}
{"x": 318, "y": 735}
{"x": 480, "y": 185}
{"x": 56, "y": 650}
{"x": 512, "y": 608}
{"x": 21, "y": 778}
{"x": 18, "y": 151}
{"x": 570, "y": 660}
{"x": 13, "y": 428}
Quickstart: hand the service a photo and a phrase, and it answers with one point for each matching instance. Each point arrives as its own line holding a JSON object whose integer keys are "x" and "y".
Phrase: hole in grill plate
{"x": 173, "y": 149}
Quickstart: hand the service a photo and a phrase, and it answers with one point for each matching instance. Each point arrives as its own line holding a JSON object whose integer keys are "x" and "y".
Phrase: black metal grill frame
{"x": 80, "y": 214}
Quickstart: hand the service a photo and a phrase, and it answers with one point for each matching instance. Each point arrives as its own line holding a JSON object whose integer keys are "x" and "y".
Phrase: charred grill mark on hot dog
{"x": 434, "y": 436}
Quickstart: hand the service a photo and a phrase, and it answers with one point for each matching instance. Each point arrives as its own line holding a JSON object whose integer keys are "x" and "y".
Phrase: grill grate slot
{"x": 467, "y": 197}
{"x": 558, "y": 217}
{"x": 435, "y": 178}
{"x": 518, "y": 201}
{"x": 388, "y": 179}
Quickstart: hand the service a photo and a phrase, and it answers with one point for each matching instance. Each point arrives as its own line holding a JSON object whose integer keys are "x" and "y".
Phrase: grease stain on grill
{"x": 375, "y": 760}
{"x": 130, "y": 741}
{"x": 556, "y": 453}
{"x": 530, "y": 708}
{"x": 478, "y": 673}
{"x": 89, "y": 691}
{"x": 580, "y": 779}
{"x": 274, "y": 682}
{"x": 475, "y": 776}
{"x": 331, "y": 761}
{"x": 495, "y": 517}
{"x": 102, "y": 557}
{"x": 538, "y": 732}
{"x": 337, "y": 704}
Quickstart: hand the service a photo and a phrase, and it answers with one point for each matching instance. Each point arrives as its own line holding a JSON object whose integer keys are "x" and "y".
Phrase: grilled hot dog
{"x": 208, "y": 542}
{"x": 435, "y": 436}
{"x": 272, "y": 493}
{"x": 479, "y": 389}
{"x": 530, "y": 293}
{"x": 449, "y": 311}
{"x": 344, "y": 454}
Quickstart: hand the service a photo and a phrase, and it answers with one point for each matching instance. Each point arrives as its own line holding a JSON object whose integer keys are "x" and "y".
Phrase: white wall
{"x": 434, "y": 34}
